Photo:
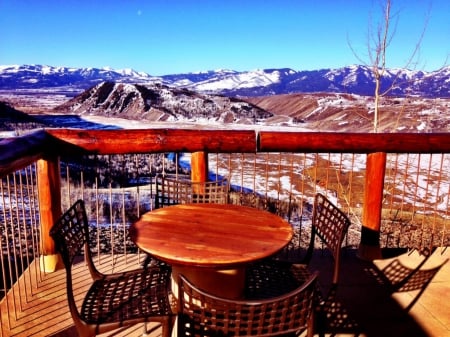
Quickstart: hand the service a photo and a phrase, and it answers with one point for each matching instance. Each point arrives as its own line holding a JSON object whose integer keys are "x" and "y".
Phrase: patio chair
{"x": 203, "y": 314}
{"x": 113, "y": 300}
{"x": 275, "y": 276}
{"x": 330, "y": 225}
{"x": 181, "y": 190}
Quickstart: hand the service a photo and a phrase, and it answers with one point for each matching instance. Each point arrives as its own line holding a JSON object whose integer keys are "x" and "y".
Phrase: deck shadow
{"x": 364, "y": 306}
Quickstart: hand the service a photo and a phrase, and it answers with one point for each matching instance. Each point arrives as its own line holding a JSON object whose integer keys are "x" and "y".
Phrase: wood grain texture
{"x": 373, "y": 190}
{"x": 49, "y": 187}
{"x": 210, "y": 235}
{"x": 158, "y": 140}
{"x": 276, "y": 141}
{"x": 19, "y": 152}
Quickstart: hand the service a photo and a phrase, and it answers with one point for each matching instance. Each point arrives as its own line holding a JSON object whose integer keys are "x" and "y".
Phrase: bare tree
{"x": 378, "y": 42}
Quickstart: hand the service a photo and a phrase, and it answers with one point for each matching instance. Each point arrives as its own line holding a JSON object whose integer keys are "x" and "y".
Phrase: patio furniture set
{"x": 220, "y": 262}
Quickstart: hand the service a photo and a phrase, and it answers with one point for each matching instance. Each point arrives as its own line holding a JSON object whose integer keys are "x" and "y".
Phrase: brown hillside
{"x": 353, "y": 113}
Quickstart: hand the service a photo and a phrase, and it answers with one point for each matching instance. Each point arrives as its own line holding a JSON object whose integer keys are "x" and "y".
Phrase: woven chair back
{"x": 330, "y": 224}
{"x": 181, "y": 190}
{"x": 202, "y": 314}
{"x": 70, "y": 233}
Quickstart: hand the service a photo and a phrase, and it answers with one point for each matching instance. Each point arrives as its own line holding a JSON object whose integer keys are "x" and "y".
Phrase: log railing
{"x": 45, "y": 147}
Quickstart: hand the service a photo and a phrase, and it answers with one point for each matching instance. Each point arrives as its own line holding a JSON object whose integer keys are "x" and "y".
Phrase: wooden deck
{"x": 362, "y": 295}
{"x": 43, "y": 306}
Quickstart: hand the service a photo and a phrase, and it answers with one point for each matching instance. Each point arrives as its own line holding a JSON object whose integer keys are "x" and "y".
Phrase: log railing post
{"x": 49, "y": 189}
{"x": 369, "y": 247}
{"x": 199, "y": 171}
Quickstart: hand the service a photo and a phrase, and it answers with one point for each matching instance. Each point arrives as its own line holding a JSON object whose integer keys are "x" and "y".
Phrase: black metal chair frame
{"x": 113, "y": 300}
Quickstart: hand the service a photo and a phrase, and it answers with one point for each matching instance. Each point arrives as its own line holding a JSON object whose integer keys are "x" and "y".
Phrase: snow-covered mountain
{"x": 352, "y": 79}
{"x": 41, "y": 76}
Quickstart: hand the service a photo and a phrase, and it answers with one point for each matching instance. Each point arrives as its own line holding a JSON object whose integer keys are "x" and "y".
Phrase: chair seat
{"x": 127, "y": 296}
{"x": 271, "y": 278}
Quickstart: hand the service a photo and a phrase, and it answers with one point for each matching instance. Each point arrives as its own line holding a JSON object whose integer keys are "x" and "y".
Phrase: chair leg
{"x": 166, "y": 325}
{"x": 311, "y": 326}
{"x": 144, "y": 333}
{"x": 321, "y": 321}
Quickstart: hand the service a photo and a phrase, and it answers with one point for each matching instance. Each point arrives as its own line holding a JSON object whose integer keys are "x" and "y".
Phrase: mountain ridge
{"x": 161, "y": 103}
{"x": 355, "y": 79}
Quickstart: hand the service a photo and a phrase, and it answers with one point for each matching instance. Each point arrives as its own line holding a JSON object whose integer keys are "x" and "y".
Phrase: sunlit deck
{"x": 44, "y": 311}
{"x": 394, "y": 188}
{"x": 362, "y": 296}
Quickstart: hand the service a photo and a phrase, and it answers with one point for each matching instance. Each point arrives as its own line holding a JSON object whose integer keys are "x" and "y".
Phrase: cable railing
{"x": 114, "y": 172}
{"x": 414, "y": 212}
{"x": 19, "y": 239}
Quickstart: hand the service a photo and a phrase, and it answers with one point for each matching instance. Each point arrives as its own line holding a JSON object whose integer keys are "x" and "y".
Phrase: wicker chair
{"x": 273, "y": 277}
{"x": 113, "y": 300}
{"x": 202, "y": 314}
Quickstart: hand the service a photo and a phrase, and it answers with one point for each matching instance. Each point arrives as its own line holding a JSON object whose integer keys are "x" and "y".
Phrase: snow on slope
{"x": 257, "y": 78}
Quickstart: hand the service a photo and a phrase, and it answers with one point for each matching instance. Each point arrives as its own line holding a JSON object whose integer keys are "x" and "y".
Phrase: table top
{"x": 210, "y": 235}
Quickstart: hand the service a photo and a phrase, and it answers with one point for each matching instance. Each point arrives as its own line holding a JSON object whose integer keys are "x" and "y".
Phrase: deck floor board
{"x": 44, "y": 310}
{"x": 43, "y": 304}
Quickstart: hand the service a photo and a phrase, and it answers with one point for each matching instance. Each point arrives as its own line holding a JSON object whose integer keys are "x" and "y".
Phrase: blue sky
{"x": 175, "y": 36}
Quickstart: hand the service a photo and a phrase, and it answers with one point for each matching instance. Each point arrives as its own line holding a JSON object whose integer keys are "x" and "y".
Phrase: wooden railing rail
{"x": 158, "y": 140}
{"x": 16, "y": 153}
{"x": 329, "y": 142}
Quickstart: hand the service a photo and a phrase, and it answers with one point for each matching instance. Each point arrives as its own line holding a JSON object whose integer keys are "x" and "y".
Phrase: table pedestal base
{"x": 227, "y": 283}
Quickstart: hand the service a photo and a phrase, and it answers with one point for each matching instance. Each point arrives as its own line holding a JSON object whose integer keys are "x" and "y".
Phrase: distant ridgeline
{"x": 355, "y": 79}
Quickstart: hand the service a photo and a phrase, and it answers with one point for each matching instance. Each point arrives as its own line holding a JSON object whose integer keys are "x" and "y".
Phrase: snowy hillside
{"x": 161, "y": 103}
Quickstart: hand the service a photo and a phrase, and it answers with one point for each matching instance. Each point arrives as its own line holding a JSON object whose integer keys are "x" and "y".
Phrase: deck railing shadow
{"x": 362, "y": 305}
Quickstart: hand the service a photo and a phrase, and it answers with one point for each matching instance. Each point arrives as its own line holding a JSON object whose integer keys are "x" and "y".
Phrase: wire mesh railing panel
{"x": 416, "y": 191}
{"x": 119, "y": 188}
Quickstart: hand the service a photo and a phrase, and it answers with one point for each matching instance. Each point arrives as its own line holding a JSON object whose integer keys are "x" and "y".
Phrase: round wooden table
{"x": 211, "y": 244}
